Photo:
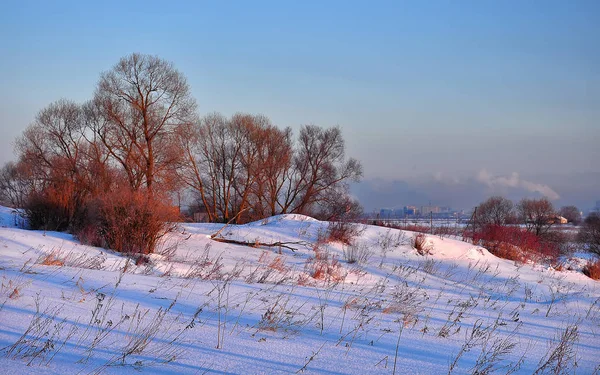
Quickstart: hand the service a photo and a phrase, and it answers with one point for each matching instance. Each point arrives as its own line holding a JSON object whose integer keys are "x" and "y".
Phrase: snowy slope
{"x": 202, "y": 306}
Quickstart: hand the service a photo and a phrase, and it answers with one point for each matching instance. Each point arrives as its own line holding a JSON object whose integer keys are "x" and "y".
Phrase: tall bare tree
{"x": 50, "y": 154}
{"x": 141, "y": 101}
{"x": 275, "y": 153}
{"x": 319, "y": 165}
{"x": 53, "y": 140}
{"x": 495, "y": 210}
{"x": 537, "y": 214}
{"x": 221, "y": 157}
{"x": 15, "y": 185}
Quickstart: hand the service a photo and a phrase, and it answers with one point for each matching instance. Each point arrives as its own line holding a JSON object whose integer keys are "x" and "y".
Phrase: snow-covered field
{"x": 202, "y": 306}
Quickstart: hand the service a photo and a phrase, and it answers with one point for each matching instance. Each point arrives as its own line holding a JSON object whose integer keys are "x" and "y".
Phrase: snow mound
{"x": 7, "y": 216}
{"x": 12, "y": 217}
{"x": 476, "y": 253}
{"x": 282, "y": 296}
{"x": 282, "y": 218}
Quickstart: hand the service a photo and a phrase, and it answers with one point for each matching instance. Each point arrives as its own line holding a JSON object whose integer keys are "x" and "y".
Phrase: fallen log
{"x": 285, "y": 245}
{"x": 215, "y": 237}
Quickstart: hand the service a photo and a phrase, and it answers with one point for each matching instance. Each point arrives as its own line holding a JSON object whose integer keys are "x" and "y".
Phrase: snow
{"x": 202, "y": 306}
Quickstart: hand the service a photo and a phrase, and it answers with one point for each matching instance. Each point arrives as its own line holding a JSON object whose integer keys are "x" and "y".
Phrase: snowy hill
{"x": 203, "y": 306}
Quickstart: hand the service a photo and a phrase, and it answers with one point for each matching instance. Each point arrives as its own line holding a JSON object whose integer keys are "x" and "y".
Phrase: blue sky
{"x": 427, "y": 93}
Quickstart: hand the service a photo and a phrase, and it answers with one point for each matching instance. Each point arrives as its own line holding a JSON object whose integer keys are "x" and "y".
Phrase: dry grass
{"x": 324, "y": 266}
{"x": 357, "y": 252}
{"x": 51, "y": 259}
{"x": 592, "y": 270}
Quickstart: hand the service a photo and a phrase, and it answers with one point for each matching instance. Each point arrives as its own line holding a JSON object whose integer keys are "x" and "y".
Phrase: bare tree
{"x": 140, "y": 103}
{"x": 590, "y": 232}
{"x": 338, "y": 205}
{"x": 51, "y": 156}
{"x": 235, "y": 165}
{"x": 246, "y": 168}
{"x": 571, "y": 213}
{"x": 14, "y": 185}
{"x": 274, "y": 161}
{"x": 53, "y": 140}
{"x": 496, "y": 210}
{"x": 192, "y": 170}
{"x": 319, "y": 165}
{"x": 537, "y": 214}
{"x": 221, "y": 155}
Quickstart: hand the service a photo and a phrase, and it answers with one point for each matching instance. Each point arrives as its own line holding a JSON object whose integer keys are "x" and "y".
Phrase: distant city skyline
{"x": 444, "y": 101}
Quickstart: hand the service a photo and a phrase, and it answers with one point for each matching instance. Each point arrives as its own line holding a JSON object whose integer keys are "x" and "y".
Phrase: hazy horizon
{"x": 448, "y": 102}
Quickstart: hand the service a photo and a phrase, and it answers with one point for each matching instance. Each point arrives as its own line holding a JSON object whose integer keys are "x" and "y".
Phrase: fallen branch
{"x": 212, "y": 236}
{"x": 285, "y": 245}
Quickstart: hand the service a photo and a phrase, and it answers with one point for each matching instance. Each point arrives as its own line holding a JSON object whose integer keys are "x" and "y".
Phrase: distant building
{"x": 559, "y": 220}
{"x": 426, "y": 210}
{"x": 410, "y": 210}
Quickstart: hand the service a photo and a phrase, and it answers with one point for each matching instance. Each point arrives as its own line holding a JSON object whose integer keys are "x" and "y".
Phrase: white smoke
{"x": 514, "y": 181}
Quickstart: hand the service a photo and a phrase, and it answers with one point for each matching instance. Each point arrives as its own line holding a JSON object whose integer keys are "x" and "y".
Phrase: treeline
{"x": 523, "y": 231}
{"x": 110, "y": 170}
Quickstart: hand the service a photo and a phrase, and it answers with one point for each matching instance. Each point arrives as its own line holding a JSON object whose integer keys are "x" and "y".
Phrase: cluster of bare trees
{"x": 245, "y": 168}
{"x": 140, "y": 137}
{"x": 495, "y": 226}
{"x": 498, "y": 218}
{"x": 538, "y": 215}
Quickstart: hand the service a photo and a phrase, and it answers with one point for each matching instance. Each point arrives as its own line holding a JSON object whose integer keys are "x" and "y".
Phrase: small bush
{"x": 130, "y": 222}
{"x": 45, "y": 212}
{"x": 561, "y": 240}
{"x": 357, "y": 253}
{"x": 422, "y": 245}
{"x": 342, "y": 231}
{"x": 141, "y": 260}
{"x": 592, "y": 270}
{"x": 90, "y": 235}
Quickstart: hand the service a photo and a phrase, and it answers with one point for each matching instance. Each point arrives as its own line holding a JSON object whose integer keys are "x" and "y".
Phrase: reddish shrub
{"x": 90, "y": 235}
{"x": 592, "y": 270}
{"x": 341, "y": 231}
{"x": 515, "y": 243}
{"x": 56, "y": 206}
{"x": 416, "y": 228}
{"x": 128, "y": 222}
